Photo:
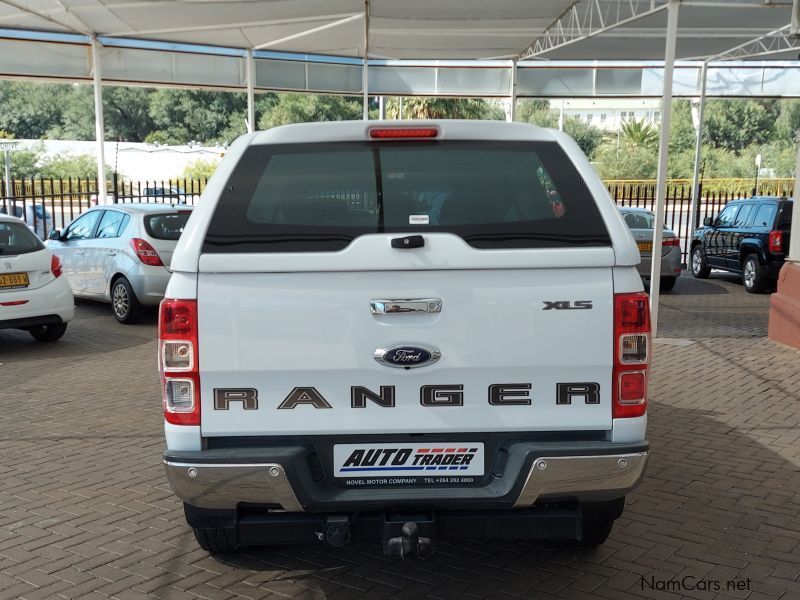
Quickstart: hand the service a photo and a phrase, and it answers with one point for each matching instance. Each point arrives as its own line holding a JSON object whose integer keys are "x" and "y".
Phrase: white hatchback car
{"x": 33, "y": 295}
{"x": 120, "y": 253}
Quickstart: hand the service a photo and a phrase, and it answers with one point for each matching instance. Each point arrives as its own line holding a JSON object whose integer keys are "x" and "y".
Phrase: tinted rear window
{"x": 168, "y": 226}
{"x": 16, "y": 238}
{"x": 319, "y": 197}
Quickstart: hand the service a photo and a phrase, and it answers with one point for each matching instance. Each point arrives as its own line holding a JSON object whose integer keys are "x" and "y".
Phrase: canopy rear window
{"x": 319, "y": 197}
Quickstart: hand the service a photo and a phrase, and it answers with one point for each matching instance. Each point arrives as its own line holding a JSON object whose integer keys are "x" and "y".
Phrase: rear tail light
{"x": 177, "y": 361}
{"x": 776, "y": 241}
{"x": 671, "y": 242}
{"x": 55, "y": 266}
{"x": 403, "y": 133}
{"x": 631, "y": 354}
{"x": 146, "y": 253}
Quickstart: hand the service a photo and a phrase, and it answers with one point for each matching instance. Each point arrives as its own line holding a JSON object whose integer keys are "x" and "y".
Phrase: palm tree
{"x": 639, "y": 133}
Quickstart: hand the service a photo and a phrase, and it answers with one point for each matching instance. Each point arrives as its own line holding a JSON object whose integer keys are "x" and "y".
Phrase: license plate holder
{"x": 14, "y": 281}
{"x": 392, "y": 460}
{"x": 645, "y": 246}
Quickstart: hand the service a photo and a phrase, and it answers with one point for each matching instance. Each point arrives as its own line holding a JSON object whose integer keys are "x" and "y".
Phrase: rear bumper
{"x": 670, "y": 264}
{"x": 149, "y": 284}
{"x": 51, "y": 303}
{"x": 285, "y": 477}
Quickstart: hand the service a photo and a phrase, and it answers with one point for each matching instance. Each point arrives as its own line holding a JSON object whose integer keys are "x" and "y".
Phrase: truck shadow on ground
{"x": 715, "y": 504}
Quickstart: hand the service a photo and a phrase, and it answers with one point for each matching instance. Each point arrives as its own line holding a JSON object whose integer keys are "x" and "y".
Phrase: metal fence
{"x": 47, "y": 204}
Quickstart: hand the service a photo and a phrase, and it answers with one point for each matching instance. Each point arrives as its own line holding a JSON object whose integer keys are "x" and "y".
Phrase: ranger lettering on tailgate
{"x": 500, "y": 394}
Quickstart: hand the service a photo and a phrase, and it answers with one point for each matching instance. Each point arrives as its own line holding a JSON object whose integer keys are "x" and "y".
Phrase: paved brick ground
{"x": 85, "y": 511}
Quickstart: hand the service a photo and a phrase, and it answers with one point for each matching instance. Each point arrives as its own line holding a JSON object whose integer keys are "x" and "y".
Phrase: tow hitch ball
{"x": 409, "y": 544}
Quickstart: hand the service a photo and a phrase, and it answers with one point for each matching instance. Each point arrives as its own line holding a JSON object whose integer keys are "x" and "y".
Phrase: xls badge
{"x": 405, "y": 356}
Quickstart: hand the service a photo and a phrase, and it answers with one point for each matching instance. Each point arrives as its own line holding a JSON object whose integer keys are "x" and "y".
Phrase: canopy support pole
{"x": 99, "y": 123}
{"x": 365, "y": 67}
{"x": 512, "y": 111}
{"x": 663, "y": 152}
{"x": 250, "y": 75}
{"x": 694, "y": 212}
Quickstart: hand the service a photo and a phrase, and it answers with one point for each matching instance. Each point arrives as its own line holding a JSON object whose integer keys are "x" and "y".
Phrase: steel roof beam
{"x": 585, "y": 20}
{"x": 775, "y": 42}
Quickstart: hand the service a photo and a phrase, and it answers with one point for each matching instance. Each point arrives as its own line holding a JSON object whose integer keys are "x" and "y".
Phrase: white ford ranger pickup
{"x": 403, "y": 332}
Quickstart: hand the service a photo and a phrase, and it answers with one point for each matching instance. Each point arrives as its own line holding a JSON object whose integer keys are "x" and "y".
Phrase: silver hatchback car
{"x": 640, "y": 222}
{"x": 121, "y": 254}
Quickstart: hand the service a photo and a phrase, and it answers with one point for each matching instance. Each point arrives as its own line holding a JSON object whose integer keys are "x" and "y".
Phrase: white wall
{"x": 135, "y": 161}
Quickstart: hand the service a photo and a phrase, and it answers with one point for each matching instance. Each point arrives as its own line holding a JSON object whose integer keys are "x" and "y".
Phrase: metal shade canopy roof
{"x": 414, "y": 29}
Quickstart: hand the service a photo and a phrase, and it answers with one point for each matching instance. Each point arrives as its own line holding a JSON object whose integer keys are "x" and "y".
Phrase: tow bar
{"x": 409, "y": 544}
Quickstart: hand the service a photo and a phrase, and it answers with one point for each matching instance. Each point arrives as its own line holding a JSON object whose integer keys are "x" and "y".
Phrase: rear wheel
{"x": 48, "y": 333}
{"x": 754, "y": 275}
{"x": 700, "y": 268}
{"x": 595, "y": 533}
{"x": 667, "y": 283}
{"x": 126, "y": 306}
{"x": 217, "y": 541}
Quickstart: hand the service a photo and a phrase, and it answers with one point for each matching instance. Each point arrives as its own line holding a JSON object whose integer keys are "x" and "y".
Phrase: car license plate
{"x": 408, "y": 460}
{"x": 646, "y": 247}
{"x": 12, "y": 281}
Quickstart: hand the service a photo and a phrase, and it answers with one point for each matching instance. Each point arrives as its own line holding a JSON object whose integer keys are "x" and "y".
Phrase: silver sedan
{"x": 121, "y": 253}
{"x": 640, "y": 221}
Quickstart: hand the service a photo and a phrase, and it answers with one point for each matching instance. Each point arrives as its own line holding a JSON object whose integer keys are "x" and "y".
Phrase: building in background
{"x": 610, "y": 113}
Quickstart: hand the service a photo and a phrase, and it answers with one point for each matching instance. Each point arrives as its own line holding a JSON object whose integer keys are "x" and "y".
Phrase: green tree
{"x": 181, "y": 116}
{"x": 305, "y": 108}
{"x": 29, "y": 110}
{"x": 586, "y": 136}
{"x": 536, "y": 112}
{"x": 200, "y": 169}
{"x": 640, "y": 134}
{"x": 69, "y": 166}
{"x": 735, "y": 124}
{"x": 444, "y": 108}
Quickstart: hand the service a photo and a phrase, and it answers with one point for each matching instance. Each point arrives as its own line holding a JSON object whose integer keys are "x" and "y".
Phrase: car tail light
{"x": 55, "y": 266}
{"x": 776, "y": 241}
{"x": 671, "y": 242}
{"x": 403, "y": 133}
{"x": 177, "y": 361}
{"x": 631, "y": 354}
{"x": 146, "y": 253}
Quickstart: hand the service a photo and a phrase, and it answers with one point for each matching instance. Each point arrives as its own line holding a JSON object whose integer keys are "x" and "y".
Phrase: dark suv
{"x": 749, "y": 236}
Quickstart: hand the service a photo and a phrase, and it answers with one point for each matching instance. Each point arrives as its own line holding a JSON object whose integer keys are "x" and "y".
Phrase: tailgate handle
{"x": 408, "y": 241}
{"x": 415, "y": 305}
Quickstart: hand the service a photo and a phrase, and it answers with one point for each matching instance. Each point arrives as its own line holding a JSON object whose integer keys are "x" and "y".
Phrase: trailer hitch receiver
{"x": 409, "y": 543}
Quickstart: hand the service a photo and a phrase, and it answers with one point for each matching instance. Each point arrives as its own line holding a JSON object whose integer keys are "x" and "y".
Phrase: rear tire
{"x": 667, "y": 283}
{"x": 124, "y": 303}
{"x": 48, "y": 333}
{"x": 700, "y": 268}
{"x": 216, "y": 541}
{"x": 595, "y": 533}
{"x": 754, "y": 275}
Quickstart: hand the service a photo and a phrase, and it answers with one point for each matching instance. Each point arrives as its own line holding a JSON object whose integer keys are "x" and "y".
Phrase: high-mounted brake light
{"x": 146, "y": 253}
{"x": 403, "y": 133}
{"x": 55, "y": 266}
{"x": 631, "y": 354}
{"x": 776, "y": 241}
{"x": 177, "y": 361}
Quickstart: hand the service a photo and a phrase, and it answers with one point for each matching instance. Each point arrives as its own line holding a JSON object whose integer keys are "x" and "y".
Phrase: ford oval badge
{"x": 407, "y": 356}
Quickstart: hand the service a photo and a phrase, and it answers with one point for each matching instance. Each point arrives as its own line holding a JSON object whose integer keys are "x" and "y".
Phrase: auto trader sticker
{"x": 408, "y": 460}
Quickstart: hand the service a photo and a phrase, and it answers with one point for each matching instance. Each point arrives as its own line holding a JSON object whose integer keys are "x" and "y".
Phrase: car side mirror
{"x": 55, "y": 234}
{"x": 707, "y": 221}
